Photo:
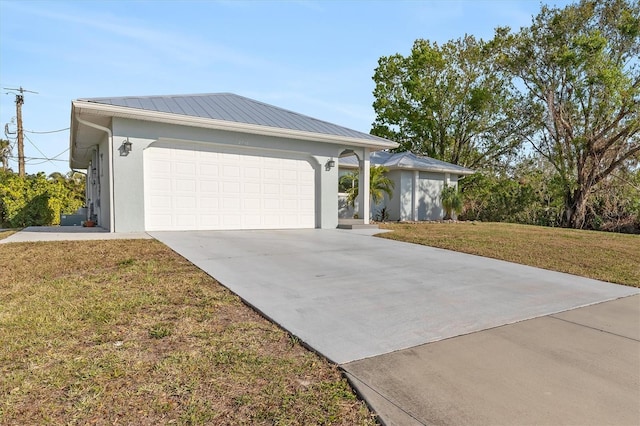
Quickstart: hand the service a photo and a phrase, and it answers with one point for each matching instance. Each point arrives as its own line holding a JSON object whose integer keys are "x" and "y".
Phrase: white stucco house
{"x": 211, "y": 162}
{"x": 418, "y": 184}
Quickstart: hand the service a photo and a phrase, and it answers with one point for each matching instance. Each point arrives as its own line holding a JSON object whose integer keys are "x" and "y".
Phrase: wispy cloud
{"x": 138, "y": 33}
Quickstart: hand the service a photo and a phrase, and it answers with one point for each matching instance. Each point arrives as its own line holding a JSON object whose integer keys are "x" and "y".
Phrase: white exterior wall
{"x": 129, "y": 170}
{"x": 391, "y": 203}
{"x": 405, "y": 188}
{"x": 429, "y": 189}
{"x": 424, "y": 203}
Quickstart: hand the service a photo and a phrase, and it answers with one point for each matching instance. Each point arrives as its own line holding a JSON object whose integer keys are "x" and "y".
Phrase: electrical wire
{"x": 51, "y": 131}
{"x": 28, "y": 159}
{"x": 34, "y": 145}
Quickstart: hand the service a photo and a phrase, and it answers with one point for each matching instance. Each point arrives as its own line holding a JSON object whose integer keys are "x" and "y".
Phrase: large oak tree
{"x": 578, "y": 71}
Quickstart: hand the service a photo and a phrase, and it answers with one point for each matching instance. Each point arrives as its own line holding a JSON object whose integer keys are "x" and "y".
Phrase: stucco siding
{"x": 430, "y": 187}
{"x": 405, "y": 190}
{"x": 129, "y": 170}
{"x": 393, "y": 203}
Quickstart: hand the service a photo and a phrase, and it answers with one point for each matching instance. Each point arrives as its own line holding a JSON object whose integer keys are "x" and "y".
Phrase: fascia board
{"x": 231, "y": 126}
{"x": 433, "y": 169}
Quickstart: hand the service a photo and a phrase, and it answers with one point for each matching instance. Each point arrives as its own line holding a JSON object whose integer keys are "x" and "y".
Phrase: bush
{"x": 34, "y": 200}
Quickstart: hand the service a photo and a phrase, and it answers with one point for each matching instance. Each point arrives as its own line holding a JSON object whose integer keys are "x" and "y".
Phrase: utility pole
{"x": 19, "y": 101}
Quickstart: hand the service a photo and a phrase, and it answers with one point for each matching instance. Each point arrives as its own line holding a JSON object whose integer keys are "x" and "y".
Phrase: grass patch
{"x": 7, "y": 232}
{"x": 600, "y": 255}
{"x": 129, "y": 332}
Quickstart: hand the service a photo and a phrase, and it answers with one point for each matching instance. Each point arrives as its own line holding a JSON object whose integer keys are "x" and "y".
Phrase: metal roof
{"x": 234, "y": 108}
{"x": 407, "y": 160}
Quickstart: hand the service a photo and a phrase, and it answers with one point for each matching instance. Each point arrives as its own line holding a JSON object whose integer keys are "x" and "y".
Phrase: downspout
{"x": 110, "y": 157}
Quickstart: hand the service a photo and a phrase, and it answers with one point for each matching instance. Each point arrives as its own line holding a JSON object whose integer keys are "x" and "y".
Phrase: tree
{"x": 578, "y": 70}
{"x": 447, "y": 102}
{"x": 451, "y": 201}
{"x": 74, "y": 181}
{"x": 379, "y": 184}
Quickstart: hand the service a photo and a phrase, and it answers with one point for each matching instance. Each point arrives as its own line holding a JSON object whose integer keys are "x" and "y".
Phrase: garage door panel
{"x": 160, "y": 202}
{"x": 232, "y": 204}
{"x": 250, "y": 204}
{"x": 209, "y": 221}
{"x": 211, "y": 170}
{"x": 271, "y": 188}
{"x": 209, "y": 203}
{"x": 186, "y": 220}
{"x": 251, "y": 188}
{"x": 207, "y": 185}
{"x": 195, "y": 187}
{"x": 272, "y": 204}
{"x": 271, "y": 174}
{"x": 186, "y": 203}
{"x": 185, "y": 185}
{"x": 231, "y": 187}
{"x": 231, "y": 221}
{"x": 252, "y": 172}
{"x": 160, "y": 184}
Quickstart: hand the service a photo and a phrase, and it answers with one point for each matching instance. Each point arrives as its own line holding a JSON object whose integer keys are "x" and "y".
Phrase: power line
{"x": 51, "y": 131}
{"x": 28, "y": 159}
{"x": 34, "y": 145}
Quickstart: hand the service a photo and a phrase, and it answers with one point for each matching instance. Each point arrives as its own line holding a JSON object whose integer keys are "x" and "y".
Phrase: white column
{"x": 363, "y": 186}
{"x": 414, "y": 195}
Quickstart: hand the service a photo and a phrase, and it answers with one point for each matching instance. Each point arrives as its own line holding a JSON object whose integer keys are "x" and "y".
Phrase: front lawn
{"x": 4, "y": 233}
{"x": 601, "y": 255}
{"x": 128, "y": 332}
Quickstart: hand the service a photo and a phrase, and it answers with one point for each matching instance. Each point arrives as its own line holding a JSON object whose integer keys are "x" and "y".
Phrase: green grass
{"x": 601, "y": 255}
{"x": 128, "y": 332}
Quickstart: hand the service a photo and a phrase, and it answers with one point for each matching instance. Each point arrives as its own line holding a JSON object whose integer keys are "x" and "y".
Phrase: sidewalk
{"x": 579, "y": 367}
{"x": 69, "y": 233}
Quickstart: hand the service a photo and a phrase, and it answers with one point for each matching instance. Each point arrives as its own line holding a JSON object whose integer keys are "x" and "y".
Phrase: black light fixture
{"x": 330, "y": 164}
{"x": 125, "y": 149}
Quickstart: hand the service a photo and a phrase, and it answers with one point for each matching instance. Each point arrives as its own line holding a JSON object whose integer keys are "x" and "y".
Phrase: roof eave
{"x": 231, "y": 126}
{"x": 433, "y": 169}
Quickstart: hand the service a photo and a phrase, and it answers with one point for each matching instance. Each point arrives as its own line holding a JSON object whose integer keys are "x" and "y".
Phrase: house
{"x": 210, "y": 162}
{"x": 418, "y": 182}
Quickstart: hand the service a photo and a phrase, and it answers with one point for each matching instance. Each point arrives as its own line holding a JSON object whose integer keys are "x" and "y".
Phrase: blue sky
{"x": 313, "y": 57}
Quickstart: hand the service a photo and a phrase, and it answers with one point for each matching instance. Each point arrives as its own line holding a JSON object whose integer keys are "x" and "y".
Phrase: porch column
{"x": 363, "y": 186}
{"x": 414, "y": 195}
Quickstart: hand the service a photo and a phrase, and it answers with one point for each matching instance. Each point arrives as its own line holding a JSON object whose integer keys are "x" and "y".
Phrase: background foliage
{"x": 548, "y": 116}
{"x": 36, "y": 200}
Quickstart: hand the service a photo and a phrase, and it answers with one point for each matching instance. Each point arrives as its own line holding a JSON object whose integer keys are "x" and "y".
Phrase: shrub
{"x": 34, "y": 200}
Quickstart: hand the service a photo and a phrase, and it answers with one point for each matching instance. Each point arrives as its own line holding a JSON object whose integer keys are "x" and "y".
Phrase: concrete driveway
{"x": 376, "y": 306}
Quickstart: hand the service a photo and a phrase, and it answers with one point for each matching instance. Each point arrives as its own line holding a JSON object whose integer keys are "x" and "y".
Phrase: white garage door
{"x": 199, "y": 187}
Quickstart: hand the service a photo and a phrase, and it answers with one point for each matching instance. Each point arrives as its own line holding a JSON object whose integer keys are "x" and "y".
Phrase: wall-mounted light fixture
{"x": 330, "y": 164}
{"x": 126, "y": 147}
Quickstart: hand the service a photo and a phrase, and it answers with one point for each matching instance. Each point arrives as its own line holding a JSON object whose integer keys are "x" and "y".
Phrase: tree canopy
{"x": 579, "y": 76}
{"x": 549, "y": 113}
{"x": 447, "y": 102}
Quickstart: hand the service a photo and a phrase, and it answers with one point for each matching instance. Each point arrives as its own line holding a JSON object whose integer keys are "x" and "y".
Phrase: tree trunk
{"x": 579, "y": 208}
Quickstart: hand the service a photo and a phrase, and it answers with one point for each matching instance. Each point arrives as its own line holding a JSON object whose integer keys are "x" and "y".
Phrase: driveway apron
{"x": 351, "y": 296}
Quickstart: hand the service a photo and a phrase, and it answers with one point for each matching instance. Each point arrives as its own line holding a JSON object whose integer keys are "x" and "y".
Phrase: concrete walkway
{"x": 69, "y": 233}
{"x": 430, "y": 336}
{"x": 580, "y": 367}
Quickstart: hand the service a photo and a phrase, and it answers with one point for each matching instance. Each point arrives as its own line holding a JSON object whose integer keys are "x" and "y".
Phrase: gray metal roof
{"x": 407, "y": 160}
{"x": 231, "y": 107}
